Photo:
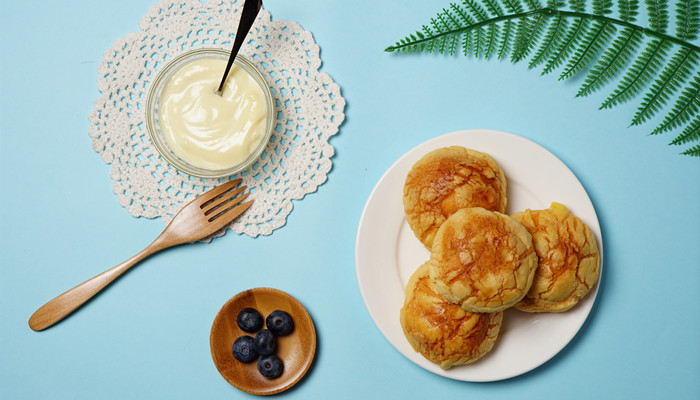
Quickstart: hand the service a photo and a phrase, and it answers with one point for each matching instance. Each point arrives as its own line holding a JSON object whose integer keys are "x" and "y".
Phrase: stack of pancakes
{"x": 483, "y": 261}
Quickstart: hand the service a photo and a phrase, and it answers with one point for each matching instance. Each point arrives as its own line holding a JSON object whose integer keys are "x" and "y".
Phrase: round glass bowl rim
{"x": 159, "y": 84}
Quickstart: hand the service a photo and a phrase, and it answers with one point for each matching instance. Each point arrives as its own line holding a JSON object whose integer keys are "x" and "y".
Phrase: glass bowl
{"x": 153, "y": 104}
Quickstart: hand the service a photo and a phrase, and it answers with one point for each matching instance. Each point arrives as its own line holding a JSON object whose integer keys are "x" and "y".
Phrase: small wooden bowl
{"x": 296, "y": 350}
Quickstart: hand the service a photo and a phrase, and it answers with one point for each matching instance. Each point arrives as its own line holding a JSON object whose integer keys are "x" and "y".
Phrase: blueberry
{"x": 280, "y": 323}
{"x": 265, "y": 342}
{"x": 250, "y": 320}
{"x": 270, "y": 366}
{"x": 244, "y": 349}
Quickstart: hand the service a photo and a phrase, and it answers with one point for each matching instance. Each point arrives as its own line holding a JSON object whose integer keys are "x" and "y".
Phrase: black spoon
{"x": 248, "y": 15}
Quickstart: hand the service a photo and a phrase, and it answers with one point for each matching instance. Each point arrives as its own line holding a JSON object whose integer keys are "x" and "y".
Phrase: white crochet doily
{"x": 308, "y": 107}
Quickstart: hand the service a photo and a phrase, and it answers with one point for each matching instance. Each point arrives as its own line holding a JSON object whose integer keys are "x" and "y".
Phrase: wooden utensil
{"x": 296, "y": 350}
{"x": 201, "y": 218}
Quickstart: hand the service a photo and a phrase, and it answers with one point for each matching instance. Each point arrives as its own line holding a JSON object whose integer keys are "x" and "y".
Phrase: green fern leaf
{"x": 494, "y": 7}
{"x": 596, "y": 38}
{"x": 521, "y": 42}
{"x": 658, "y": 15}
{"x": 578, "y": 5}
{"x": 693, "y": 151}
{"x": 641, "y": 71}
{"x": 475, "y": 9}
{"x": 580, "y": 36}
{"x": 685, "y": 107}
{"x": 478, "y": 42}
{"x": 441, "y": 24}
{"x": 550, "y": 42}
{"x": 611, "y": 61}
{"x": 527, "y": 35}
{"x": 533, "y": 4}
{"x": 506, "y": 39}
{"x": 677, "y": 70}
{"x": 513, "y": 6}
{"x": 464, "y": 19}
{"x": 567, "y": 45}
{"x": 628, "y": 10}
{"x": 688, "y": 19}
{"x": 491, "y": 44}
{"x": 513, "y": 31}
{"x": 467, "y": 43}
{"x": 602, "y": 7}
{"x": 691, "y": 133}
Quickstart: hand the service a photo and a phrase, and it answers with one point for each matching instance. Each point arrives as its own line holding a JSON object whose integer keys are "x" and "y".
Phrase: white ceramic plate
{"x": 387, "y": 253}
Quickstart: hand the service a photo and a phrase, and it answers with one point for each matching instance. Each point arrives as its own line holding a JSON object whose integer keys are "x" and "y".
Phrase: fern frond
{"x": 688, "y": 19}
{"x": 494, "y": 7}
{"x": 528, "y": 35}
{"x": 666, "y": 84}
{"x": 628, "y": 10}
{"x": 533, "y": 4}
{"x": 478, "y": 42}
{"x": 658, "y": 15}
{"x": 581, "y": 36}
{"x": 691, "y": 133}
{"x": 475, "y": 9}
{"x": 641, "y": 71}
{"x": 550, "y": 42}
{"x": 578, "y": 5}
{"x": 693, "y": 151}
{"x": 567, "y": 45}
{"x": 506, "y": 39}
{"x": 614, "y": 58}
{"x": 492, "y": 42}
{"x": 430, "y": 44}
{"x": 444, "y": 22}
{"x": 555, "y": 4}
{"x": 452, "y": 40}
{"x": 513, "y": 6}
{"x": 602, "y": 7}
{"x": 685, "y": 107}
{"x": 484, "y": 40}
{"x": 597, "y": 37}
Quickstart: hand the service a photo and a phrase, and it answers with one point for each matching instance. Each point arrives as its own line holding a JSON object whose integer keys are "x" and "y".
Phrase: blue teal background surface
{"x": 147, "y": 336}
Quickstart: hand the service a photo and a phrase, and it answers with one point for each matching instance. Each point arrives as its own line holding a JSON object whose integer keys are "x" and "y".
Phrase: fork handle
{"x": 64, "y": 304}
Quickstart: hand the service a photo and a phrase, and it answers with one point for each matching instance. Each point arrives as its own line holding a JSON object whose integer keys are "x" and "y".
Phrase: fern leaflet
{"x": 595, "y": 39}
{"x": 693, "y": 151}
{"x": 568, "y": 43}
{"x": 690, "y": 133}
{"x": 550, "y": 42}
{"x": 611, "y": 61}
{"x": 643, "y": 69}
{"x": 686, "y": 106}
{"x": 666, "y": 84}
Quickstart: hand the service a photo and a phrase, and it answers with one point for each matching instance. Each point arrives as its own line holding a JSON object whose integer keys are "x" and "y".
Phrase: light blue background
{"x": 147, "y": 336}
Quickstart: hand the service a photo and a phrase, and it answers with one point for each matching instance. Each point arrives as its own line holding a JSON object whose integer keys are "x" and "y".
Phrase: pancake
{"x": 446, "y": 180}
{"x": 482, "y": 260}
{"x": 443, "y": 332}
{"x": 569, "y": 261}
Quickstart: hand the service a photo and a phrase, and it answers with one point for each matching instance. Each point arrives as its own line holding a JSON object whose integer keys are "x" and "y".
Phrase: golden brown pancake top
{"x": 446, "y": 180}
{"x": 441, "y": 331}
{"x": 569, "y": 261}
{"x": 482, "y": 260}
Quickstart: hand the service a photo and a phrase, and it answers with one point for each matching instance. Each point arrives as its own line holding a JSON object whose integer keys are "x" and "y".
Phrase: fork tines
{"x": 227, "y": 199}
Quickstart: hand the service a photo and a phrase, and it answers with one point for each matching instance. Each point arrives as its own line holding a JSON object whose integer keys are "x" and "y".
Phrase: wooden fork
{"x": 201, "y": 218}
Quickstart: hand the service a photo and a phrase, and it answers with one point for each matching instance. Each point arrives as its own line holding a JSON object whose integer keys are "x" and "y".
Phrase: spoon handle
{"x": 248, "y": 15}
{"x": 64, "y": 304}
